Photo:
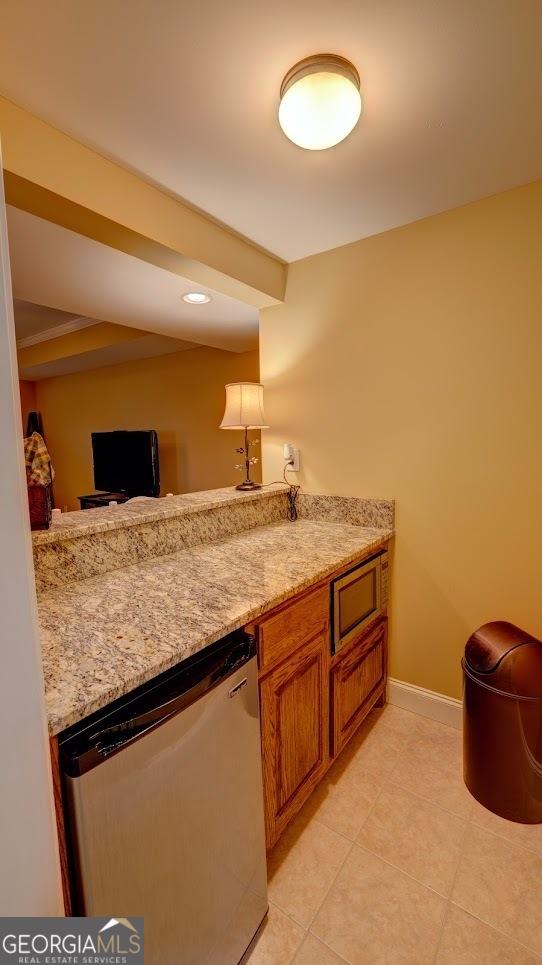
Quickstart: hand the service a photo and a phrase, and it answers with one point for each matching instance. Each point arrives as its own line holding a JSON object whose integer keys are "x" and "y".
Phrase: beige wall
{"x": 180, "y": 395}
{"x": 410, "y": 365}
{"x": 27, "y": 392}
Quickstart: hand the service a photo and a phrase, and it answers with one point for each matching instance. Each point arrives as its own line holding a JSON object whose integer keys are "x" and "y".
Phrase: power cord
{"x": 292, "y": 494}
{"x": 292, "y": 503}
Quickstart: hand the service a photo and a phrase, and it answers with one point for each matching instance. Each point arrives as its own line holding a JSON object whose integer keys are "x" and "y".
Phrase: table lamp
{"x": 244, "y": 410}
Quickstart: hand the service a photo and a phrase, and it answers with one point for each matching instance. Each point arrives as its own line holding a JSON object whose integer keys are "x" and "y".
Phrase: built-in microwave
{"x": 357, "y": 598}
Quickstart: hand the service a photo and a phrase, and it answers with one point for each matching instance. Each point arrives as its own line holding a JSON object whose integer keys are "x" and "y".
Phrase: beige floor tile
{"x": 376, "y": 748}
{"x": 302, "y": 866}
{"x": 418, "y": 837}
{"x": 467, "y": 941}
{"x": 406, "y": 722}
{"x": 431, "y": 766}
{"x": 313, "y": 952}
{"x": 433, "y": 727}
{"x": 395, "y": 718}
{"x": 278, "y": 941}
{"x": 439, "y": 737}
{"x": 528, "y": 835}
{"x": 344, "y": 798}
{"x": 501, "y": 883}
{"x": 375, "y": 914}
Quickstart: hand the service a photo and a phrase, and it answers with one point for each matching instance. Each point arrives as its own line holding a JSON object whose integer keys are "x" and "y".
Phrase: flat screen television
{"x": 126, "y": 462}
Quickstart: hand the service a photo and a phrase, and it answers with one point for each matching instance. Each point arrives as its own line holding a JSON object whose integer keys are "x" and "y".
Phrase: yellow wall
{"x": 27, "y": 391}
{"x": 180, "y": 395}
{"x": 409, "y": 364}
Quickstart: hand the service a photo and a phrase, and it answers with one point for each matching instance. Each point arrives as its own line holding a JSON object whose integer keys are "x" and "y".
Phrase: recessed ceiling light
{"x": 196, "y": 298}
{"x": 320, "y": 101}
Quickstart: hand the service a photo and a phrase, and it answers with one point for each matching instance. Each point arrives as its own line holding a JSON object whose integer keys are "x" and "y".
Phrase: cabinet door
{"x": 295, "y": 728}
{"x": 358, "y": 680}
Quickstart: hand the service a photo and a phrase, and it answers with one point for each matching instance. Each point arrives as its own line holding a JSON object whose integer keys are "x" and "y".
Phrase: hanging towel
{"x": 39, "y": 471}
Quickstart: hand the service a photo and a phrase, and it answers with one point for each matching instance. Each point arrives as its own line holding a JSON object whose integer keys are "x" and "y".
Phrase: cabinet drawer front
{"x": 356, "y": 683}
{"x": 280, "y": 634}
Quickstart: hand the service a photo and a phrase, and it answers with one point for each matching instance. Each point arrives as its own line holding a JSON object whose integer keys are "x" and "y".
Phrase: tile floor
{"x": 392, "y": 861}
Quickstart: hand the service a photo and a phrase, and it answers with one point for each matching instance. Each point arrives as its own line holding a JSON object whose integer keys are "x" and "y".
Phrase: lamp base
{"x": 247, "y": 485}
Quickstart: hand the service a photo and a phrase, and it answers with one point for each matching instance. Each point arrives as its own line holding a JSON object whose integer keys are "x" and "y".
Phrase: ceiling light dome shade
{"x": 320, "y": 101}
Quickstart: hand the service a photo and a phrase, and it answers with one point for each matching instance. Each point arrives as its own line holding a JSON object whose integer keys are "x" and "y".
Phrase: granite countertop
{"x": 71, "y": 525}
{"x": 104, "y": 636}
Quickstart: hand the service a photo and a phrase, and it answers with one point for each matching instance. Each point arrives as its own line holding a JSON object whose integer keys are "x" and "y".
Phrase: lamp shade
{"x": 244, "y": 406}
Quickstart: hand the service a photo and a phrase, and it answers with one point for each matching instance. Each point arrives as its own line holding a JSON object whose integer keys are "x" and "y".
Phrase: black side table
{"x": 99, "y": 500}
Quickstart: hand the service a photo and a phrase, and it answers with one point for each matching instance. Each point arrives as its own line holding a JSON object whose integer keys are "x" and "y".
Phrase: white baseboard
{"x": 425, "y": 702}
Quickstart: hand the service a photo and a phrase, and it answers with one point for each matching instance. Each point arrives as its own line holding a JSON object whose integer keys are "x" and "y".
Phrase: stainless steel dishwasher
{"x": 165, "y": 808}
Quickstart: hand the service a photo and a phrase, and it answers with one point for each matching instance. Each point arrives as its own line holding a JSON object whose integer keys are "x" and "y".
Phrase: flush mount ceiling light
{"x": 196, "y": 298}
{"x": 320, "y": 101}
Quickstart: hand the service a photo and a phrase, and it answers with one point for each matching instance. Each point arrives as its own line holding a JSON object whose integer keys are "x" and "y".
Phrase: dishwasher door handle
{"x": 238, "y": 687}
{"x": 112, "y": 738}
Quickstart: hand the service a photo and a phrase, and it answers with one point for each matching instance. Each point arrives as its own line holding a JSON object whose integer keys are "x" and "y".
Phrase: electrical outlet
{"x": 291, "y": 456}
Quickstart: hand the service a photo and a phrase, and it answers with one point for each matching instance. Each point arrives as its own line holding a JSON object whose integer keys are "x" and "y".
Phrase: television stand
{"x": 99, "y": 500}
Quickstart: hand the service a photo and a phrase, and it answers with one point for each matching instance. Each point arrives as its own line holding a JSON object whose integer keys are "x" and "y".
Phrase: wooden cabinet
{"x": 358, "y": 680}
{"x": 295, "y": 731}
{"x": 310, "y": 702}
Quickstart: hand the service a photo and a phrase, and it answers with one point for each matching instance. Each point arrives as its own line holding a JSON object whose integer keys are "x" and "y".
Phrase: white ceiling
{"x": 186, "y": 94}
{"x": 54, "y": 267}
